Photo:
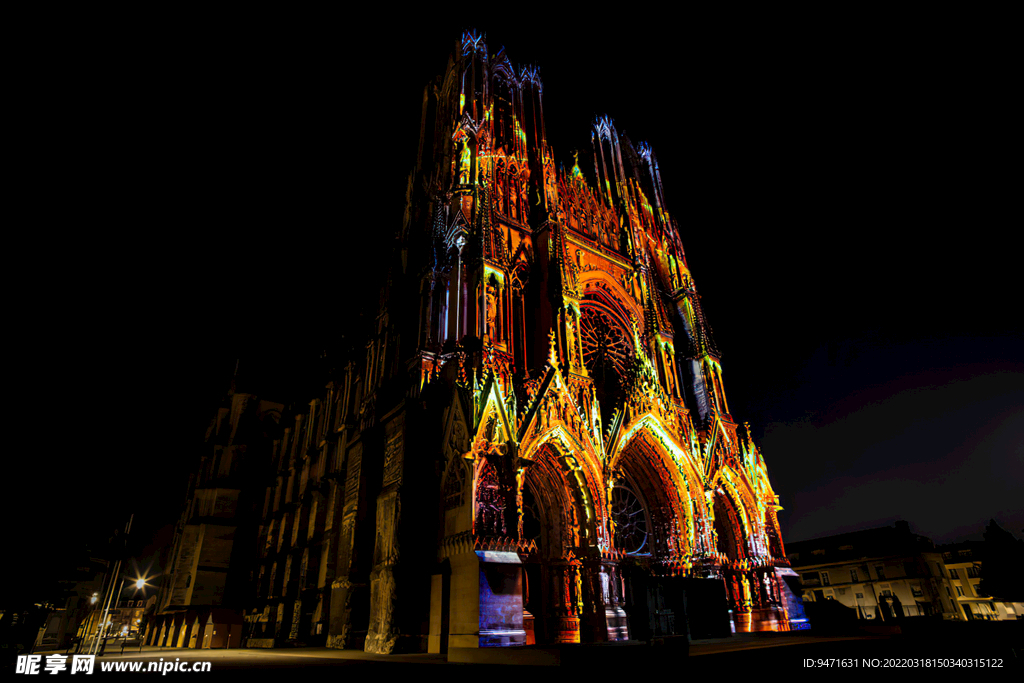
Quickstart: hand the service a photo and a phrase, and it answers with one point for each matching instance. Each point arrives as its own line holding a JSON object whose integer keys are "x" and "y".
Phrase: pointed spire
{"x": 234, "y": 377}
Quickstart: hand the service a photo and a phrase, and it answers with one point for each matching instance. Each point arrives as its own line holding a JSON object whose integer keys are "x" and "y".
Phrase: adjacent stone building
{"x": 208, "y": 585}
{"x": 302, "y": 507}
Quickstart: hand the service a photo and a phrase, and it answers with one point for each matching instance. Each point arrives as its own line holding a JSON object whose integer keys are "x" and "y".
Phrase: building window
{"x": 959, "y": 591}
{"x": 880, "y": 570}
{"x": 860, "y": 596}
{"x": 953, "y": 574}
{"x": 853, "y": 576}
{"x": 978, "y": 591}
{"x": 887, "y": 593}
{"x": 916, "y": 591}
{"x": 972, "y": 572}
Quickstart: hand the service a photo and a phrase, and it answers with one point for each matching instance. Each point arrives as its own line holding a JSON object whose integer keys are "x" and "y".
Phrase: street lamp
{"x": 95, "y": 647}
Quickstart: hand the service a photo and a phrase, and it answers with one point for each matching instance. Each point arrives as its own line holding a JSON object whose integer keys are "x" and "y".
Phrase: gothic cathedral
{"x": 554, "y": 458}
{"x": 539, "y": 448}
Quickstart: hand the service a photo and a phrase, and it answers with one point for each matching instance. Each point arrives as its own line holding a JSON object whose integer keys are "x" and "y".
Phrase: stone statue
{"x": 465, "y": 163}
{"x": 492, "y": 311}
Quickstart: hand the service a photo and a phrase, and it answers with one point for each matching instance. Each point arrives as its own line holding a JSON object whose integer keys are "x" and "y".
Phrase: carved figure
{"x": 492, "y": 311}
{"x": 465, "y": 162}
{"x": 570, "y": 340}
{"x": 499, "y": 183}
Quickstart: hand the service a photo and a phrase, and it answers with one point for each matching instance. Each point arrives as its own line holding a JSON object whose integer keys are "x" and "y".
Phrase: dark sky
{"x": 227, "y": 190}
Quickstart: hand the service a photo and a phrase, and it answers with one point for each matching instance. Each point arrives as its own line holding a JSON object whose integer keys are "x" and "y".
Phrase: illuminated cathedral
{"x": 538, "y": 448}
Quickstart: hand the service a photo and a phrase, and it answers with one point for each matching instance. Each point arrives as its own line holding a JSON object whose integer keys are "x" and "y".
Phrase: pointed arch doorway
{"x": 551, "y": 517}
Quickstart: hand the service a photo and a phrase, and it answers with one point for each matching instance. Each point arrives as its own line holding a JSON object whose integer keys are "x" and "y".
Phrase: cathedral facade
{"x": 538, "y": 447}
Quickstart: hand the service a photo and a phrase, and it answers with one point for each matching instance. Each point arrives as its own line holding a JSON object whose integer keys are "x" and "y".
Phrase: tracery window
{"x": 630, "y": 520}
{"x": 609, "y": 357}
{"x": 454, "y": 484}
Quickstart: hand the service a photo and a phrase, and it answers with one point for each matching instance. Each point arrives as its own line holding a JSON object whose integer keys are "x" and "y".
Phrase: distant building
{"x": 881, "y": 573}
{"x": 83, "y": 586}
{"x": 126, "y": 617}
{"x": 963, "y": 568}
{"x": 123, "y": 619}
{"x": 889, "y": 572}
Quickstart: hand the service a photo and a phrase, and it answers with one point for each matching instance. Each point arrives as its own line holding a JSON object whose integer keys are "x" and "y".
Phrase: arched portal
{"x": 731, "y": 538}
{"x": 751, "y": 584}
{"x": 652, "y": 525}
{"x": 730, "y": 543}
{"x": 556, "y": 518}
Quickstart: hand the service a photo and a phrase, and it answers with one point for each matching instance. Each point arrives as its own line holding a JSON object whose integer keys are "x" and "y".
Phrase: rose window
{"x": 608, "y": 354}
{"x": 630, "y": 522}
{"x": 605, "y": 345}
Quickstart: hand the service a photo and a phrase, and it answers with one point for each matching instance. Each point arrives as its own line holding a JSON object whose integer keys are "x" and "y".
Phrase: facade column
{"x": 566, "y": 600}
{"x": 350, "y": 591}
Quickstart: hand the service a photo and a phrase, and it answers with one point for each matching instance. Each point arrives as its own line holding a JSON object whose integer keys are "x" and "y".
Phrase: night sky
{"x": 226, "y": 193}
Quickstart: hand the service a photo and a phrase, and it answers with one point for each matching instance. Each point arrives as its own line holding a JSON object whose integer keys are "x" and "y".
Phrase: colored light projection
{"x": 598, "y": 440}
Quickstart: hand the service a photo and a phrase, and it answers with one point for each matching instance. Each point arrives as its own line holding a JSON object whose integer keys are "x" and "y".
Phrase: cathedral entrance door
{"x": 553, "y": 576}
{"x": 655, "y": 604}
{"x": 536, "y": 575}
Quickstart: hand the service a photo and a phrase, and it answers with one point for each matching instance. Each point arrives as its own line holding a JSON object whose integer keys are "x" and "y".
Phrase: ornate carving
{"x": 393, "y": 451}
{"x": 465, "y": 161}
{"x": 455, "y": 484}
{"x": 490, "y": 503}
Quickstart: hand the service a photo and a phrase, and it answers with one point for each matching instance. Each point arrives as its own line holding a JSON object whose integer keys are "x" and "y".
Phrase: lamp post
{"x": 140, "y": 585}
{"x": 94, "y": 648}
